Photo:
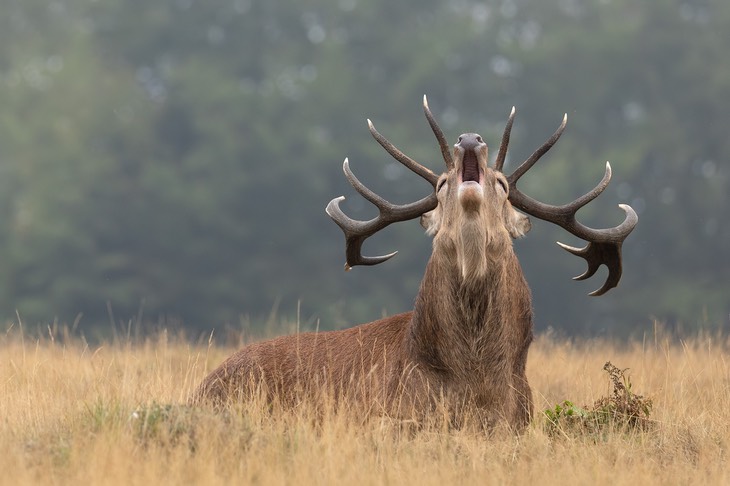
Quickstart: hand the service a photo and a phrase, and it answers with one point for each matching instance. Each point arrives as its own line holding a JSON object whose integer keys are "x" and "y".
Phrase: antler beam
{"x": 356, "y": 232}
{"x": 604, "y": 245}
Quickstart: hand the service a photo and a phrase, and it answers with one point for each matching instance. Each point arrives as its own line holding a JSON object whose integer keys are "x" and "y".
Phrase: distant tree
{"x": 176, "y": 156}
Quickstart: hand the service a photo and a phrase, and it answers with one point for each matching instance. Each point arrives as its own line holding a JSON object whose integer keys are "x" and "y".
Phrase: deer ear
{"x": 430, "y": 222}
{"x": 517, "y": 223}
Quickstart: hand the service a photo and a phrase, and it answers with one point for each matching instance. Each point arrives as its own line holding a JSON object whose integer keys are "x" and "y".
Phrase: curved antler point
{"x": 561, "y": 245}
{"x": 631, "y": 217}
{"x": 607, "y": 175}
{"x": 571, "y": 249}
{"x": 366, "y": 260}
{"x": 512, "y": 112}
{"x": 630, "y": 213}
{"x": 601, "y": 291}
{"x": 425, "y": 101}
{"x": 334, "y": 203}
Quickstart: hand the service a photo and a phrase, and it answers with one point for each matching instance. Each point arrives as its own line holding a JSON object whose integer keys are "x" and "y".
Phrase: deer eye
{"x": 503, "y": 184}
{"x": 440, "y": 184}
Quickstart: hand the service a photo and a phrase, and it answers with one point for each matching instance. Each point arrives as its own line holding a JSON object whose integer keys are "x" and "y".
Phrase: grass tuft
{"x": 622, "y": 411}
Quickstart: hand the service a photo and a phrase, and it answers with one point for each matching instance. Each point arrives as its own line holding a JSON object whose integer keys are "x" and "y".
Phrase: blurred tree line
{"x": 174, "y": 157}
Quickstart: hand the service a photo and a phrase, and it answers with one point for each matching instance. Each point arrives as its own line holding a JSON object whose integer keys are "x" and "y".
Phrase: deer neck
{"x": 457, "y": 309}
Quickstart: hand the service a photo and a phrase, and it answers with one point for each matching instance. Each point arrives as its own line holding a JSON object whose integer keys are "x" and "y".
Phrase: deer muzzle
{"x": 470, "y": 155}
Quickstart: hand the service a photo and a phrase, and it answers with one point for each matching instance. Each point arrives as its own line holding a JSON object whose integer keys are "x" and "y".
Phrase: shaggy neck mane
{"x": 457, "y": 317}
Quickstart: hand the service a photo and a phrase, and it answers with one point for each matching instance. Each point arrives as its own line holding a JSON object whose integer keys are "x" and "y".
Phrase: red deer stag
{"x": 465, "y": 342}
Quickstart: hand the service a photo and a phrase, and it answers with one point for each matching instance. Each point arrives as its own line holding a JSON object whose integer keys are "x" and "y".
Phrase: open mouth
{"x": 470, "y": 167}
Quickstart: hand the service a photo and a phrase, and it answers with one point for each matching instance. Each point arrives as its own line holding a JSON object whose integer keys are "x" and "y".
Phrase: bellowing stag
{"x": 465, "y": 343}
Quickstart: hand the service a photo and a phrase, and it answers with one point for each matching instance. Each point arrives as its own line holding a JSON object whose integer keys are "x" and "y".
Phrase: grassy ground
{"x": 112, "y": 414}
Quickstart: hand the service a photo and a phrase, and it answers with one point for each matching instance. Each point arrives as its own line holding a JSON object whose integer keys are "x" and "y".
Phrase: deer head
{"x": 474, "y": 217}
{"x": 473, "y": 205}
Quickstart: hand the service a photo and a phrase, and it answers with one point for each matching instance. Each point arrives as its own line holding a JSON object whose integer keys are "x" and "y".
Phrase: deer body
{"x": 465, "y": 346}
{"x": 465, "y": 343}
{"x": 360, "y": 362}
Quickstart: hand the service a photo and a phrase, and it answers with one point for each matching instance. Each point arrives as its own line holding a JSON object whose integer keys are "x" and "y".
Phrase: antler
{"x": 604, "y": 245}
{"x": 356, "y": 232}
{"x": 443, "y": 145}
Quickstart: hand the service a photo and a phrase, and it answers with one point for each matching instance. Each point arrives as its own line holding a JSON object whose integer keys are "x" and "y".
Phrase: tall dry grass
{"x": 113, "y": 414}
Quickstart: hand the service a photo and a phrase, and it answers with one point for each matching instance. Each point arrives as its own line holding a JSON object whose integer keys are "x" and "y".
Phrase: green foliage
{"x": 564, "y": 412}
{"x": 623, "y": 411}
{"x": 173, "y": 158}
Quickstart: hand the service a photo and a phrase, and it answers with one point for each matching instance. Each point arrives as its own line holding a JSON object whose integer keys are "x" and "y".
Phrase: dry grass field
{"x": 114, "y": 414}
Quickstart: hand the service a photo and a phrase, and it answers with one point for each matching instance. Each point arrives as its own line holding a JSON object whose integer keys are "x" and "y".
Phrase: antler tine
{"x": 445, "y": 152}
{"x": 590, "y": 196}
{"x": 361, "y": 188}
{"x": 401, "y": 157}
{"x": 394, "y": 212}
{"x": 598, "y": 253}
{"x": 604, "y": 245}
{"x": 356, "y": 232}
{"x": 527, "y": 164}
{"x": 502, "y": 155}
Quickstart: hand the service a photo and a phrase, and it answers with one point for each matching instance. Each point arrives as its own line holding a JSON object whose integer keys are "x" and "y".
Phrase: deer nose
{"x": 469, "y": 141}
